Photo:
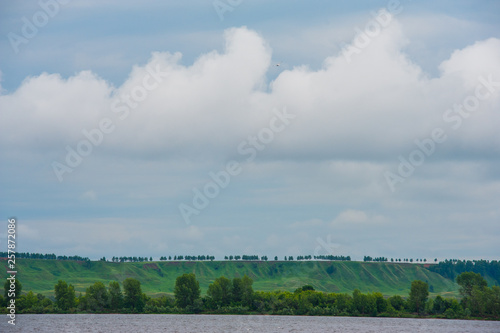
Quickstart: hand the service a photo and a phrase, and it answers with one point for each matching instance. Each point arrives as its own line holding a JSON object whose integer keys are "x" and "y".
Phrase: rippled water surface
{"x": 216, "y": 324}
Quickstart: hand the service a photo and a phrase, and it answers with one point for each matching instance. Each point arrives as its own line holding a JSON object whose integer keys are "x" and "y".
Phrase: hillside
{"x": 40, "y": 276}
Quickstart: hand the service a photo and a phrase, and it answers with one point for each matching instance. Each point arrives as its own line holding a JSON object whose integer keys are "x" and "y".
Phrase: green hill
{"x": 40, "y": 276}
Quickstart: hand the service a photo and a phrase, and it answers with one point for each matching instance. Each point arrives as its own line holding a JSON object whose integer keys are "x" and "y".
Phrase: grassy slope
{"x": 159, "y": 277}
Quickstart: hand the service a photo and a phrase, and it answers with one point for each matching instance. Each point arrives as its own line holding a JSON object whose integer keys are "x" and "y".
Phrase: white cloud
{"x": 475, "y": 60}
{"x": 355, "y": 218}
{"x": 47, "y": 111}
{"x": 375, "y": 106}
{"x": 351, "y": 216}
{"x": 89, "y": 195}
{"x": 28, "y": 232}
{"x": 191, "y": 233}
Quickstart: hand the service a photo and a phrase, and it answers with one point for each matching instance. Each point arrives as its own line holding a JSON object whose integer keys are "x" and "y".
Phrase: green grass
{"x": 157, "y": 278}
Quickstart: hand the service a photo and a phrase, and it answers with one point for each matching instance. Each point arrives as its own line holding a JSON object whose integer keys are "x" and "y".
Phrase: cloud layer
{"x": 374, "y": 107}
{"x": 174, "y": 123}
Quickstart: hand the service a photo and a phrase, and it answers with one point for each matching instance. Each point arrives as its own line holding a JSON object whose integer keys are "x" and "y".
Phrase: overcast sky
{"x": 151, "y": 128}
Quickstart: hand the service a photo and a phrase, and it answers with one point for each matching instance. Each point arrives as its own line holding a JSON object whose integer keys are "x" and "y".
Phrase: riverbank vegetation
{"x": 236, "y": 296}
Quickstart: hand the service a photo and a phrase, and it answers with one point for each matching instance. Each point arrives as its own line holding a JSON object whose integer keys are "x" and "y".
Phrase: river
{"x": 232, "y": 323}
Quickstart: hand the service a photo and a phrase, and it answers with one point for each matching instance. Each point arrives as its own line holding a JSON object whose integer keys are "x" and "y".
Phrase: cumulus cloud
{"x": 351, "y": 216}
{"x": 89, "y": 195}
{"x": 356, "y": 217}
{"x": 48, "y": 111}
{"x": 473, "y": 61}
{"x": 374, "y": 106}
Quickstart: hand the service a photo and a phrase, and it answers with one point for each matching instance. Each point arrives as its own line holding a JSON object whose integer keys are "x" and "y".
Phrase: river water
{"x": 229, "y": 323}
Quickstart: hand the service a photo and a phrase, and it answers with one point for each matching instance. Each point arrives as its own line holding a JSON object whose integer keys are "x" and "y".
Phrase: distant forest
{"x": 453, "y": 267}
{"x": 27, "y": 255}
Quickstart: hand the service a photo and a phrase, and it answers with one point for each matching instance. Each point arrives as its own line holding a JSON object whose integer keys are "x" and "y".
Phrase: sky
{"x": 159, "y": 128}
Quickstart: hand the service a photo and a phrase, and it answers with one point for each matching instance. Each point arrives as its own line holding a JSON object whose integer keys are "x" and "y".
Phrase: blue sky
{"x": 377, "y": 134}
